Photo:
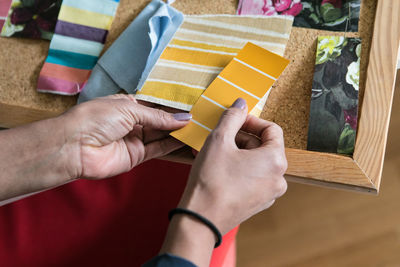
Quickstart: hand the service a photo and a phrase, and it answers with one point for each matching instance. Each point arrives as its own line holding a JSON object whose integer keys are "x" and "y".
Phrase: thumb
{"x": 150, "y": 117}
{"x": 232, "y": 119}
{"x": 159, "y": 119}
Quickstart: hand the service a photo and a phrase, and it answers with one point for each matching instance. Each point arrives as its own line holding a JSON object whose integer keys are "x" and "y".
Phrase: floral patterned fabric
{"x": 31, "y": 18}
{"x": 333, "y": 15}
{"x": 334, "y": 99}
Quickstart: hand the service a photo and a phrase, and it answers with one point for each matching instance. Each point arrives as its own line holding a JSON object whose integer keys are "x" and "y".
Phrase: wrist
{"x": 68, "y": 148}
{"x": 189, "y": 238}
{"x": 57, "y": 158}
{"x": 196, "y": 199}
{"x": 200, "y": 218}
{"x": 36, "y": 157}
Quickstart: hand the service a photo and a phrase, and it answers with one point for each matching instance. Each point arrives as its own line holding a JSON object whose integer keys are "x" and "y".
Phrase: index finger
{"x": 269, "y": 132}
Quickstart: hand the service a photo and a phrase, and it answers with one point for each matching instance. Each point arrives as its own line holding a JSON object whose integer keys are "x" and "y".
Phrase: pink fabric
{"x": 270, "y": 7}
{"x": 5, "y": 7}
{"x": 47, "y": 84}
{"x": 251, "y": 7}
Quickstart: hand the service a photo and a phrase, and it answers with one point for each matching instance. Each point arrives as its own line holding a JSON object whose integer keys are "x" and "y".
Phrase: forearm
{"x": 33, "y": 158}
{"x": 190, "y": 239}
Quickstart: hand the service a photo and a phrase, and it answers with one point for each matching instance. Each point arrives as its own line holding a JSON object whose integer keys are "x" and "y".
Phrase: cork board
{"x": 289, "y": 101}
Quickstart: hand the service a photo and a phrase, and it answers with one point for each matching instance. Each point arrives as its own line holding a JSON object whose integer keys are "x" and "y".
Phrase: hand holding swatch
{"x": 249, "y": 75}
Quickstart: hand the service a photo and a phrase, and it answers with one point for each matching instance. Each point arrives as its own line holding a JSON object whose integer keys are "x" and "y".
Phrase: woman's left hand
{"x": 94, "y": 140}
{"x": 111, "y": 135}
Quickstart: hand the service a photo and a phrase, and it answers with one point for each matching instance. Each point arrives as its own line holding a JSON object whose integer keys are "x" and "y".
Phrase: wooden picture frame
{"x": 363, "y": 171}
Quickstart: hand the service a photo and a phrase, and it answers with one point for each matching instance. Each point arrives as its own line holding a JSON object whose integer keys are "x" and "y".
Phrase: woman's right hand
{"x": 229, "y": 184}
{"x": 238, "y": 173}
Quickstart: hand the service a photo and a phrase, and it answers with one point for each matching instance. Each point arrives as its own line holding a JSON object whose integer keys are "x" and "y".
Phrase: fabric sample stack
{"x": 133, "y": 55}
{"x": 170, "y": 59}
{"x": 249, "y": 76}
{"x": 201, "y": 48}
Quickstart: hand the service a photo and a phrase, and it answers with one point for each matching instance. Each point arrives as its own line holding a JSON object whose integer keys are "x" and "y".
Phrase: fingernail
{"x": 182, "y": 116}
{"x": 239, "y": 103}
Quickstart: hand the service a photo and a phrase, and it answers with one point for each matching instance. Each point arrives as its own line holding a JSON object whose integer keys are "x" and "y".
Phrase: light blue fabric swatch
{"x": 130, "y": 59}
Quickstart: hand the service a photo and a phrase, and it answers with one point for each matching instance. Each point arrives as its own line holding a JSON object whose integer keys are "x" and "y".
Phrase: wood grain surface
{"x": 320, "y": 168}
{"x": 311, "y": 226}
{"x": 364, "y": 171}
{"x": 377, "y": 102}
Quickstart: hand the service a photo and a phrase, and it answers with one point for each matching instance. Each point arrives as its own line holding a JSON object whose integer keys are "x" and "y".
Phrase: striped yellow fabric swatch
{"x": 201, "y": 48}
{"x": 249, "y": 75}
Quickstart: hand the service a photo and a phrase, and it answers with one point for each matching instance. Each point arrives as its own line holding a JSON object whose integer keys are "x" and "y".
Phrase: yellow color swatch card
{"x": 249, "y": 75}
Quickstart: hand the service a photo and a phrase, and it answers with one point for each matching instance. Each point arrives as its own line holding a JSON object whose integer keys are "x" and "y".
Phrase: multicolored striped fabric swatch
{"x": 79, "y": 38}
{"x": 249, "y": 75}
{"x": 4, "y": 8}
{"x": 201, "y": 48}
{"x": 133, "y": 55}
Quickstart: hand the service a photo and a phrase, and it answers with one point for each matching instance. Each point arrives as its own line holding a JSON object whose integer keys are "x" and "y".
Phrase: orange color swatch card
{"x": 250, "y": 75}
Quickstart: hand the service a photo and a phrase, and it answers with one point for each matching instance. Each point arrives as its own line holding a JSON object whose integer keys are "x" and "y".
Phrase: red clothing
{"x": 119, "y": 221}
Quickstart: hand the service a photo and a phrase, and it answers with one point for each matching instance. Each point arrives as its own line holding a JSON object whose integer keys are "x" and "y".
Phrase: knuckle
{"x": 132, "y": 98}
{"x": 164, "y": 116}
{"x": 114, "y": 97}
{"x": 218, "y": 136}
{"x": 118, "y": 96}
{"x": 279, "y": 165}
{"x": 229, "y": 114}
{"x": 279, "y": 187}
{"x": 277, "y": 129}
{"x": 282, "y": 187}
{"x": 232, "y": 112}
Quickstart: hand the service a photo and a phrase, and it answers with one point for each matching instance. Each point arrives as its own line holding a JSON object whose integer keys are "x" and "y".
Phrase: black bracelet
{"x": 200, "y": 218}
